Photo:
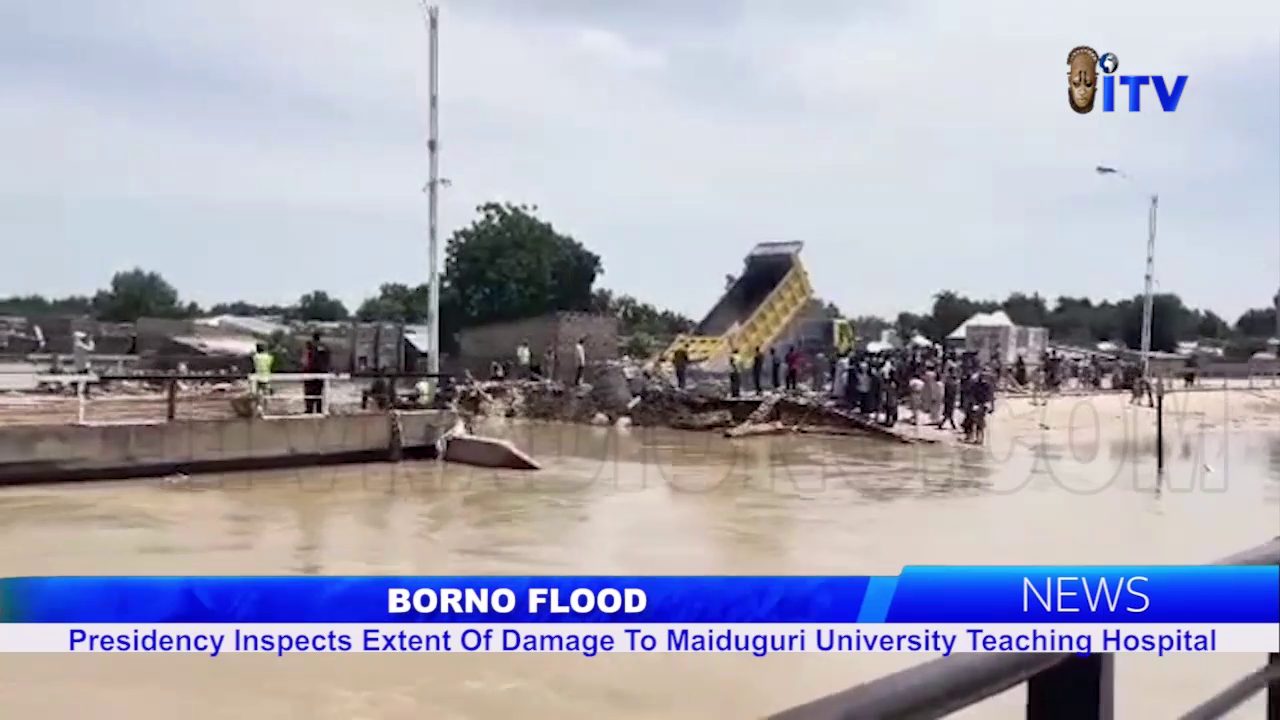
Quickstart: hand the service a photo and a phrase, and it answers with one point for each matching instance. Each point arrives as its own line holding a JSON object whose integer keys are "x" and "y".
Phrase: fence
{"x": 162, "y": 401}
{"x": 1058, "y": 686}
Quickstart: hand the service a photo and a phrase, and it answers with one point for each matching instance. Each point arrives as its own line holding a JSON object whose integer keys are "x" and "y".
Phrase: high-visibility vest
{"x": 262, "y": 363}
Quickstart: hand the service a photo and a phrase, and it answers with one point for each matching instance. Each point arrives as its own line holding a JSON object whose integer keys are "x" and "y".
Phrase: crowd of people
{"x": 923, "y": 385}
{"x": 526, "y": 366}
{"x": 930, "y": 383}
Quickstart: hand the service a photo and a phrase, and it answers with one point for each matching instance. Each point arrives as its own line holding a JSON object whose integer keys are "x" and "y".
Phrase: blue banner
{"x": 1199, "y": 594}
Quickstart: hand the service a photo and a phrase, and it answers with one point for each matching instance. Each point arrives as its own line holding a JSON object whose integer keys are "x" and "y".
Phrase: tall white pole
{"x": 1148, "y": 300}
{"x": 433, "y": 187}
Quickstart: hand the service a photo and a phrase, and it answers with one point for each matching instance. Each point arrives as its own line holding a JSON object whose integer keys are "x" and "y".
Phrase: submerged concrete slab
{"x": 50, "y": 453}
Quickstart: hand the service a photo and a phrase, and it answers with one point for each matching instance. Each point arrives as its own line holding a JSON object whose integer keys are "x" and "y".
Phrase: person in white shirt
{"x": 523, "y": 358}
{"x": 580, "y": 360}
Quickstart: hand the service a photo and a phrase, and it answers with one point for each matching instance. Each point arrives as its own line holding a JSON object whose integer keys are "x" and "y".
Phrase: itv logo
{"x": 1086, "y": 68}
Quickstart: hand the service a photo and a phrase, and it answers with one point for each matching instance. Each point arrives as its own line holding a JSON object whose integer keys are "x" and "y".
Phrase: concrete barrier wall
{"x": 65, "y": 452}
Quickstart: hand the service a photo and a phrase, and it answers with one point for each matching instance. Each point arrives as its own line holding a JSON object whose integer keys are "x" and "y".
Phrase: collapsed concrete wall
{"x": 481, "y": 346}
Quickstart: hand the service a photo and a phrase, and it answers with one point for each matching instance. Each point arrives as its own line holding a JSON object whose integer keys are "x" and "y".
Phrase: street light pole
{"x": 1148, "y": 299}
{"x": 433, "y": 188}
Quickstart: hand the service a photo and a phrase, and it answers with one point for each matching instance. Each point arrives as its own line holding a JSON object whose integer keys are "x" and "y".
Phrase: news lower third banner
{"x": 930, "y": 610}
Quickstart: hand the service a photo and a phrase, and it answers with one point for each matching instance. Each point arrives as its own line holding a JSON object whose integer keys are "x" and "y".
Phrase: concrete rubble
{"x": 620, "y": 395}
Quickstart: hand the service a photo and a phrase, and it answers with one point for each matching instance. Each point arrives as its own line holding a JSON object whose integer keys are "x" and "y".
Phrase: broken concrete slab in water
{"x": 659, "y": 405}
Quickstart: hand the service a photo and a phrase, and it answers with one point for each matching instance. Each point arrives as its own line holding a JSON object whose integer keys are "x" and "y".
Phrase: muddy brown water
{"x": 637, "y": 501}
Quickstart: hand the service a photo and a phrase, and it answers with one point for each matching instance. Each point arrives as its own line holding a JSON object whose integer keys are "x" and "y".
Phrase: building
{"x": 480, "y": 346}
{"x": 994, "y": 336}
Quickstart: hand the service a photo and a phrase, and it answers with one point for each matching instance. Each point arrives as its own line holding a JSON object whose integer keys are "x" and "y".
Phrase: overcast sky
{"x": 257, "y": 149}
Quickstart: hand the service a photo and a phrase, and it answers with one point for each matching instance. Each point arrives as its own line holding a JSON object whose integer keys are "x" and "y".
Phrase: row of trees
{"x": 510, "y": 264}
{"x": 141, "y": 293}
{"x": 1079, "y": 320}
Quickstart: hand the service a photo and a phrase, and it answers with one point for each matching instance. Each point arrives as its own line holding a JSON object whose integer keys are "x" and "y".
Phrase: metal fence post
{"x": 1082, "y": 688}
{"x": 1273, "y": 691}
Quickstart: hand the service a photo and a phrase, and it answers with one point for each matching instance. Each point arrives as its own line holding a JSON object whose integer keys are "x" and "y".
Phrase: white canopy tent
{"x": 995, "y": 319}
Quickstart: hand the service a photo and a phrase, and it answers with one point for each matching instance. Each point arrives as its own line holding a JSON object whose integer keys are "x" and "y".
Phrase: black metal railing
{"x": 1058, "y": 686}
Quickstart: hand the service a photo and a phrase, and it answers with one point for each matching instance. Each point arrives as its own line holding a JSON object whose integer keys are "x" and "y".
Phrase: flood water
{"x": 631, "y": 501}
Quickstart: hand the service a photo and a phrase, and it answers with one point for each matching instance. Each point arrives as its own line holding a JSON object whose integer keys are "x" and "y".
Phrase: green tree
{"x": 1257, "y": 322}
{"x": 397, "y": 302}
{"x": 1027, "y": 310}
{"x": 138, "y": 293}
{"x": 40, "y": 305}
{"x": 908, "y": 324}
{"x": 869, "y": 327}
{"x": 509, "y": 264}
{"x": 1168, "y": 317}
{"x": 319, "y": 306}
{"x": 1071, "y": 320}
{"x": 640, "y": 345}
{"x": 1208, "y": 325}
{"x": 949, "y": 310}
{"x": 248, "y": 309}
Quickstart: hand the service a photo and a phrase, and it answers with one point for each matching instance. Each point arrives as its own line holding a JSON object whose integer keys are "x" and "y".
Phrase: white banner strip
{"x": 590, "y": 640}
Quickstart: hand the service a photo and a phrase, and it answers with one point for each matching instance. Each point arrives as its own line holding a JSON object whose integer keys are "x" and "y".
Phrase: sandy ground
{"x": 1063, "y": 419}
{"x": 1070, "y": 418}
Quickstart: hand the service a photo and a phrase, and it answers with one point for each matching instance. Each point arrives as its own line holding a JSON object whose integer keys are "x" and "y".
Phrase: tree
{"x": 509, "y": 264}
{"x": 869, "y": 327}
{"x": 138, "y": 293}
{"x": 1257, "y": 322}
{"x": 317, "y": 305}
{"x": 1168, "y": 317}
{"x": 1071, "y": 320}
{"x": 40, "y": 305}
{"x": 397, "y": 302}
{"x": 1208, "y": 325}
{"x": 640, "y": 345}
{"x": 1027, "y": 310}
{"x": 951, "y": 309}
{"x": 908, "y": 324}
{"x": 248, "y": 309}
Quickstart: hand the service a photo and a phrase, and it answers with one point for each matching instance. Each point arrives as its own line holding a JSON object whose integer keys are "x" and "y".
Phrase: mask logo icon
{"x": 1082, "y": 78}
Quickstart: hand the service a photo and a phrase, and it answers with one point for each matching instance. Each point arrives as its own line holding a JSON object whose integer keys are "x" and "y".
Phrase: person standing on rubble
{"x": 793, "y": 367}
{"x": 819, "y": 371}
{"x": 316, "y": 362}
{"x": 580, "y": 360}
{"x": 840, "y": 381}
{"x": 757, "y": 367}
{"x": 775, "y": 366}
{"x": 550, "y": 363}
{"x": 681, "y": 362}
{"x": 524, "y": 360}
{"x": 735, "y": 373}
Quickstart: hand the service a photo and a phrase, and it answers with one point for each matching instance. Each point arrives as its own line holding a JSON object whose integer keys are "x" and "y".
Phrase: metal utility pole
{"x": 1148, "y": 299}
{"x": 433, "y": 187}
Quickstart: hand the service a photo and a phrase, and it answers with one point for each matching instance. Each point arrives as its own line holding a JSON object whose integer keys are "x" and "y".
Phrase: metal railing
{"x": 257, "y": 384}
{"x": 1058, "y": 685}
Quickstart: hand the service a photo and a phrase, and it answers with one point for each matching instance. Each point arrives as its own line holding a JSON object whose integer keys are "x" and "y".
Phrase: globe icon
{"x": 1108, "y": 63}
